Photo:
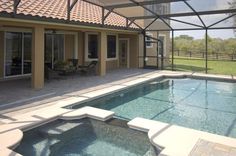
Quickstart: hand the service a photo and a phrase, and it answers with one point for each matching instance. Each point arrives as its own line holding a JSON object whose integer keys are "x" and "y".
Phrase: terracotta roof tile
{"x": 57, "y": 9}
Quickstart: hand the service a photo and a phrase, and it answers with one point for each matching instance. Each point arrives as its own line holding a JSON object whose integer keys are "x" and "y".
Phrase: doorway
{"x": 124, "y": 53}
{"x": 54, "y": 49}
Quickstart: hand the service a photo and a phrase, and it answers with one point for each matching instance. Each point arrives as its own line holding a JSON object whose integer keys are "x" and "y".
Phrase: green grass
{"x": 198, "y": 65}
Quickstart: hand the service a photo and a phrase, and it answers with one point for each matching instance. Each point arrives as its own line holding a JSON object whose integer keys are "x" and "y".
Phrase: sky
{"x": 203, "y": 5}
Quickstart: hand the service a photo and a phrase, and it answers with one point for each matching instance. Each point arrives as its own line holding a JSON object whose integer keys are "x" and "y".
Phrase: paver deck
{"x": 46, "y": 105}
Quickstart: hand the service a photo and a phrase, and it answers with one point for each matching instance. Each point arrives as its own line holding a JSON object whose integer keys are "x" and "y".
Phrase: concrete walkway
{"x": 17, "y": 94}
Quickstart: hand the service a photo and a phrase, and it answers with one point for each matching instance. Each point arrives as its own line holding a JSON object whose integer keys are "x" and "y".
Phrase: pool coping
{"x": 57, "y": 110}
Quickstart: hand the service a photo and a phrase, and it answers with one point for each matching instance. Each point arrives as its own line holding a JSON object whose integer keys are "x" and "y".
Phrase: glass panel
{"x": 58, "y": 47}
{"x": 48, "y": 50}
{"x": 111, "y": 46}
{"x": 27, "y": 52}
{"x": 92, "y": 46}
{"x": 13, "y": 57}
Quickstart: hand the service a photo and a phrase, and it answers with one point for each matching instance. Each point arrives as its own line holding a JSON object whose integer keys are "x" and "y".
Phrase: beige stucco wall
{"x": 69, "y": 46}
{"x": 38, "y": 57}
{"x": 113, "y": 64}
{"x": 81, "y": 48}
{"x": 133, "y": 49}
{"x": 69, "y": 41}
{"x": 1, "y": 54}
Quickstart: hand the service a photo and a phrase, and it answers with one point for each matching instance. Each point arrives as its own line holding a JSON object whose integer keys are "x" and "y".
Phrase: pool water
{"x": 199, "y": 104}
{"x": 86, "y": 137}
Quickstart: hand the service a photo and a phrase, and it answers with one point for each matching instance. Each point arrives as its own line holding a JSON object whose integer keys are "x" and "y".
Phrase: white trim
{"x": 151, "y": 44}
{"x": 128, "y": 50}
{"x": 86, "y": 46}
{"x": 164, "y": 44}
{"x": 117, "y": 48}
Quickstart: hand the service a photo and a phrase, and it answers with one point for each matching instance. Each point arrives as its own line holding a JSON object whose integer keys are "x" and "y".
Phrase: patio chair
{"x": 91, "y": 67}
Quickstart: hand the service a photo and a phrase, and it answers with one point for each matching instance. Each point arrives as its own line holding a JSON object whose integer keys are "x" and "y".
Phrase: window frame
{"x": 151, "y": 44}
{"x": 164, "y": 44}
{"x": 117, "y": 48}
{"x": 87, "y": 59}
{"x": 15, "y": 30}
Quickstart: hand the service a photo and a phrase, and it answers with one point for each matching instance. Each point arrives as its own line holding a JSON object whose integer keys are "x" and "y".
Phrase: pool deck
{"x": 175, "y": 140}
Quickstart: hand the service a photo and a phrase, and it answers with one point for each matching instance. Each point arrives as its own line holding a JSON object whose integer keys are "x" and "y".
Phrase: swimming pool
{"x": 199, "y": 104}
{"x": 86, "y": 137}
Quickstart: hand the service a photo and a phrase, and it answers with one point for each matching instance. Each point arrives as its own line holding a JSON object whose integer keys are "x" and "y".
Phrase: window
{"x": 92, "y": 46}
{"x": 161, "y": 49}
{"x": 18, "y": 53}
{"x": 148, "y": 41}
{"x": 111, "y": 46}
{"x": 158, "y": 8}
{"x": 54, "y": 49}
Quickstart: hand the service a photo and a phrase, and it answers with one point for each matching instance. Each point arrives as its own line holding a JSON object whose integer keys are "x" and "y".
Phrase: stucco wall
{"x": 69, "y": 46}
{"x": 113, "y": 64}
{"x": 134, "y": 49}
{"x": 1, "y": 54}
{"x": 81, "y": 48}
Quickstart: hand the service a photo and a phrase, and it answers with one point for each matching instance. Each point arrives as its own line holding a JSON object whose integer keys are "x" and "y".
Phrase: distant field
{"x": 198, "y": 65}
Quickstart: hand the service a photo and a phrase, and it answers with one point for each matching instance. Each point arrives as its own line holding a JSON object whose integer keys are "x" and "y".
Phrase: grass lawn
{"x": 198, "y": 65}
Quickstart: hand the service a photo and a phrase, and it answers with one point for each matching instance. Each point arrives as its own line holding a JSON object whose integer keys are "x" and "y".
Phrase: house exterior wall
{"x": 113, "y": 64}
{"x": 133, "y": 49}
{"x": 37, "y": 74}
{"x": 69, "y": 46}
{"x": 81, "y": 48}
{"x": 140, "y": 51}
{"x": 1, "y": 54}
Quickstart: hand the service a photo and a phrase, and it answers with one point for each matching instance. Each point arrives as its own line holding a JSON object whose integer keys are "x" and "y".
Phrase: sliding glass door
{"x": 54, "y": 49}
{"x": 17, "y": 53}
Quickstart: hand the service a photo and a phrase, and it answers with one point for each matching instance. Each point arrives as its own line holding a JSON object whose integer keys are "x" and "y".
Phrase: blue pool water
{"x": 199, "y": 104}
{"x": 86, "y": 137}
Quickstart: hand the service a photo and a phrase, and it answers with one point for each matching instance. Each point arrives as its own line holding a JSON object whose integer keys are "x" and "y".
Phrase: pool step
{"x": 59, "y": 128}
{"x": 90, "y": 112}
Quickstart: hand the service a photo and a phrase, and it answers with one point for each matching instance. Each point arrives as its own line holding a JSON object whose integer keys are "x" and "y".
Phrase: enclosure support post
{"x": 144, "y": 49}
{"x": 157, "y": 50}
{"x": 206, "y": 59}
{"x": 172, "y": 55}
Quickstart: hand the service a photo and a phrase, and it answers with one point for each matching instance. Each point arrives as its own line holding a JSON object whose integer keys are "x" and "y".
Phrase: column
{"x": 38, "y": 57}
{"x": 102, "y": 52}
